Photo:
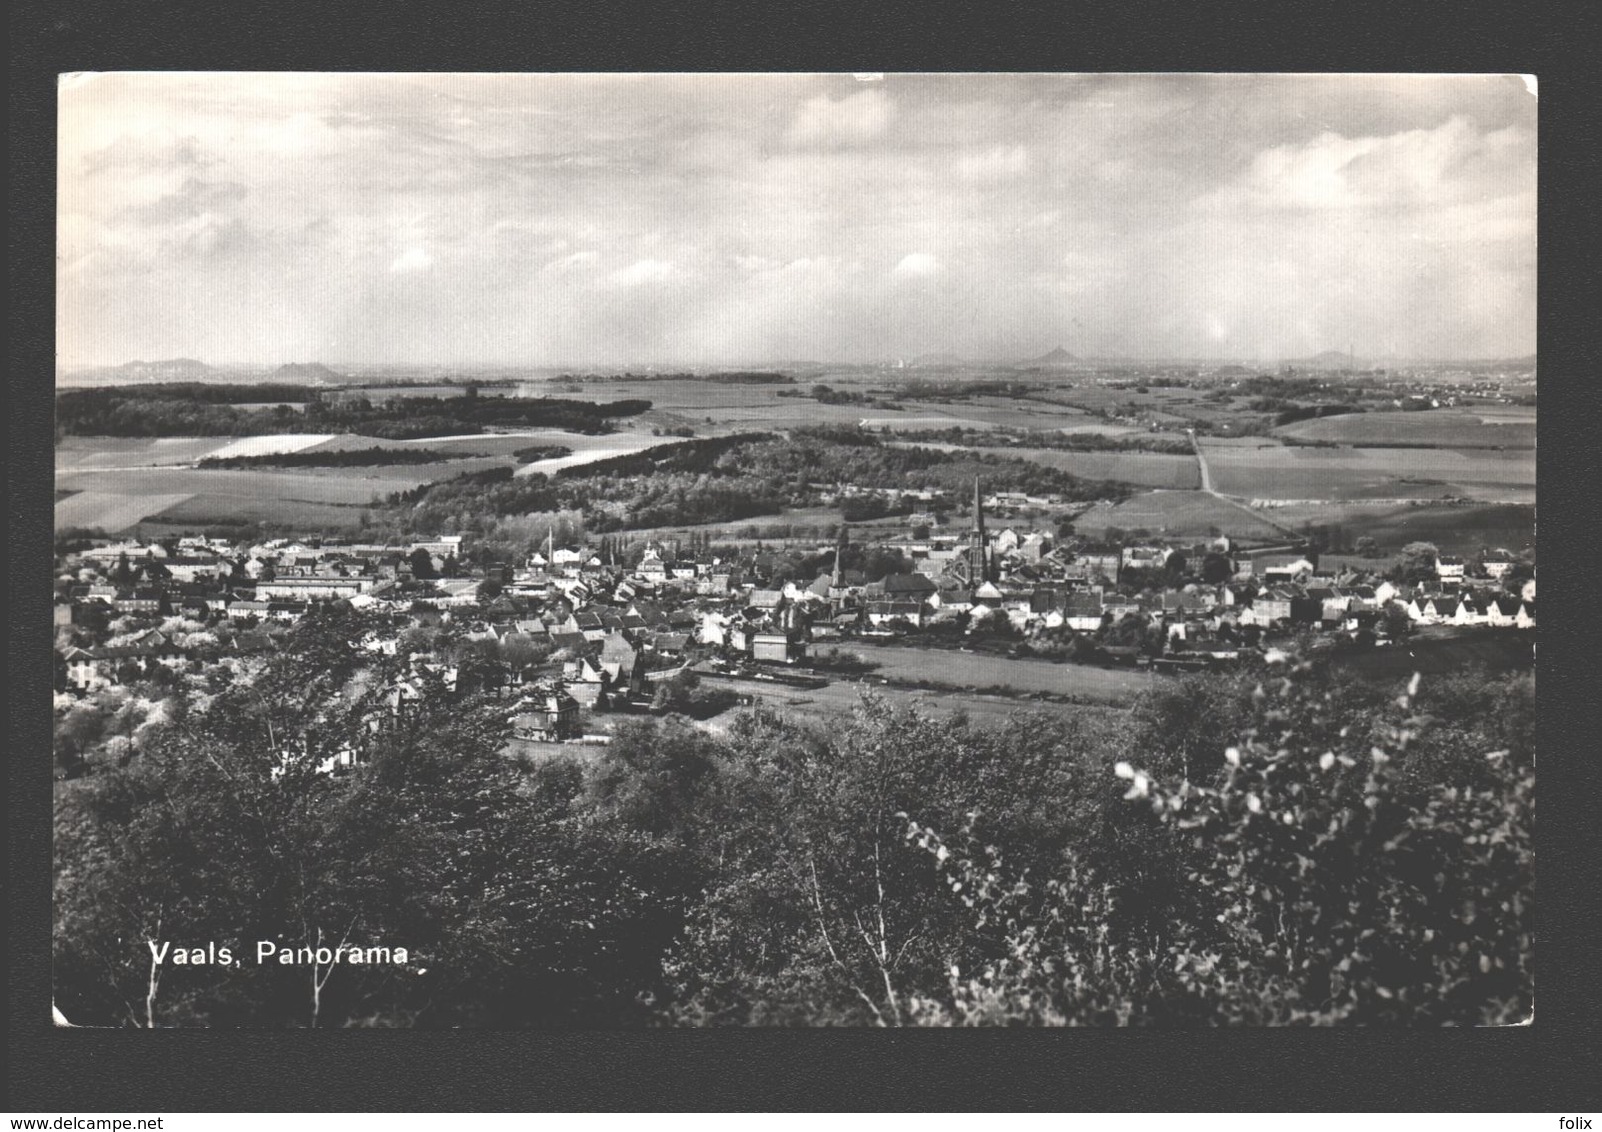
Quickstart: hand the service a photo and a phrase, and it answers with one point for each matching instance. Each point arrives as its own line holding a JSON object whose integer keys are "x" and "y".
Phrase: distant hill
{"x": 1057, "y": 357}
{"x": 313, "y": 372}
{"x": 170, "y": 369}
{"x": 1330, "y": 359}
{"x": 933, "y": 361}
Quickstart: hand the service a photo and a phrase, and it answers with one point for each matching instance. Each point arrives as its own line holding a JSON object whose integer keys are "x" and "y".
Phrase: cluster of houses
{"x": 569, "y": 630}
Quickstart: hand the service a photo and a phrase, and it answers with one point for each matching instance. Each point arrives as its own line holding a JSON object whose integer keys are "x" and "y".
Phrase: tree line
{"x": 336, "y": 458}
{"x": 179, "y": 410}
{"x": 728, "y": 479}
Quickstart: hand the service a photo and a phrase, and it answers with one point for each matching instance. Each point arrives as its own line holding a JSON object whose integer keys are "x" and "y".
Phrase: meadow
{"x": 117, "y": 482}
{"x": 977, "y": 671}
{"x": 1181, "y": 514}
{"x": 1271, "y": 471}
{"x": 1454, "y": 528}
{"x": 1446, "y": 652}
{"x": 113, "y": 483}
{"x": 1503, "y": 426}
{"x": 1143, "y": 469}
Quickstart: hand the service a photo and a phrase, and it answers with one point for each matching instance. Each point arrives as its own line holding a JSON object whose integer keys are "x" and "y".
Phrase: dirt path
{"x": 1207, "y": 486}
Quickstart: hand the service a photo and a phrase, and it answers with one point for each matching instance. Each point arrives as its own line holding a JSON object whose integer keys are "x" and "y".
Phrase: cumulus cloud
{"x": 573, "y": 261}
{"x": 916, "y": 265}
{"x": 643, "y": 271}
{"x": 557, "y": 220}
{"x": 1000, "y": 163}
{"x": 851, "y": 121}
{"x": 410, "y": 260}
{"x": 1413, "y": 168}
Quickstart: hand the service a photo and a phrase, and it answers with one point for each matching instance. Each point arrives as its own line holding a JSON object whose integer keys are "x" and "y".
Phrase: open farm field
{"x": 840, "y": 697}
{"x": 341, "y": 487}
{"x": 272, "y": 445}
{"x": 1278, "y": 472}
{"x": 227, "y": 510}
{"x": 87, "y": 453}
{"x": 501, "y": 444}
{"x": 1437, "y": 652}
{"x": 1456, "y": 529}
{"x": 1446, "y": 428}
{"x": 875, "y": 420}
{"x": 114, "y": 500}
{"x": 1181, "y": 514}
{"x": 110, "y": 511}
{"x": 1004, "y": 412}
{"x": 588, "y": 449}
{"x": 1504, "y": 414}
{"x": 979, "y": 670}
{"x": 1143, "y": 469}
{"x": 787, "y": 412}
{"x": 1101, "y": 428}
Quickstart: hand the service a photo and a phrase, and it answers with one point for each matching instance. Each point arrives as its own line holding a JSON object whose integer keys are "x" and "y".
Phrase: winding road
{"x": 1207, "y": 486}
{"x": 1201, "y": 462}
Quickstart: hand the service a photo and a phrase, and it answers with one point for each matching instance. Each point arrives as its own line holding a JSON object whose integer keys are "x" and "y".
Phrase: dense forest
{"x": 1061, "y": 441}
{"x": 726, "y": 479}
{"x": 240, "y": 410}
{"x": 335, "y": 458}
{"x": 1281, "y": 847}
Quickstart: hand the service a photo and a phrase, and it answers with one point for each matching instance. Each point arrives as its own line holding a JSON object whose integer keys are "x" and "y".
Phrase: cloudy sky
{"x": 607, "y": 220}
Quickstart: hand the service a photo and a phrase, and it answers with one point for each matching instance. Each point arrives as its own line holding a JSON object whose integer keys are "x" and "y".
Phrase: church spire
{"x": 980, "y": 544}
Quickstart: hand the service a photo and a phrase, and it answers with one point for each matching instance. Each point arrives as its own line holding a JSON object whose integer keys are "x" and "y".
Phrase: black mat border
{"x": 1550, "y": 1066}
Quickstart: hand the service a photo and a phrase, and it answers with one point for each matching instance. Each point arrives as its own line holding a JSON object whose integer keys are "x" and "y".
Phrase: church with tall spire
{"x": 979, "y": 543}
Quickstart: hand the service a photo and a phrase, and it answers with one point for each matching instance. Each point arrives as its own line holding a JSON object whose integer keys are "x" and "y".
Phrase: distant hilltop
{"x": 1057, "y": 357}
{"x": 313, "y": 372}
{"x": 171, "y": 369}
{"x": 1329, "y": 359}
{"x": 935, "y": 361}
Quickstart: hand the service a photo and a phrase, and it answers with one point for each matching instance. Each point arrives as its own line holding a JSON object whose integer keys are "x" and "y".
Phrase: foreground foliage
{"x": 1289, "y": 847}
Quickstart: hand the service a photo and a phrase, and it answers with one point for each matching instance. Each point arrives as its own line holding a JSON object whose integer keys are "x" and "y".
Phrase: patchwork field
{"x": 1180, "y": 514}
{"x": 112, "y": 483}
{"x": 907, "y": 422}
{"x": 1006, "y": 412}
{"x": 1278, "y": 472}
{"x": 588, "y": 449}
{"x": 1143, "y": 469}
{"x": 1456, "y": 529}
{"x": 114, "y": 499}
{"x": 979, "y": 671}
{"x": 272, "y": 445}
{"x": 110, "y": 511}
{"x": 83, "y": 453}
{"x": 1453, "y": 428}
{"x": 224, "y": 511}
{"x": 1499, "y": 650}
{"x": 843, "y": 696}
{"x": 1101, "y": 429}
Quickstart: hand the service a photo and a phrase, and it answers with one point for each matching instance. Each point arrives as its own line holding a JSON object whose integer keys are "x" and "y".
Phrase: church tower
{"x": 979, "y": 549}
{"x": 839, "y": 558}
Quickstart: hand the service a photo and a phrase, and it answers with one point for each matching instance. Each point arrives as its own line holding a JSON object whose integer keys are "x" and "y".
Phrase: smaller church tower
{"x": 980, "y": 544}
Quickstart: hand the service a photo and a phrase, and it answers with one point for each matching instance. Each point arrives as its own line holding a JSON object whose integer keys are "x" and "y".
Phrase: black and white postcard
{"x": 640, "y": 551}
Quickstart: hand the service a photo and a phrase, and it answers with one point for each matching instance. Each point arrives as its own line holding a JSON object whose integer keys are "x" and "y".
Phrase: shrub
{"x": 1329, "y": 889}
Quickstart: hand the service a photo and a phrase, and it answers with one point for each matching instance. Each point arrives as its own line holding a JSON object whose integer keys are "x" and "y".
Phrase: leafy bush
{"x": 1329, "y": 891}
